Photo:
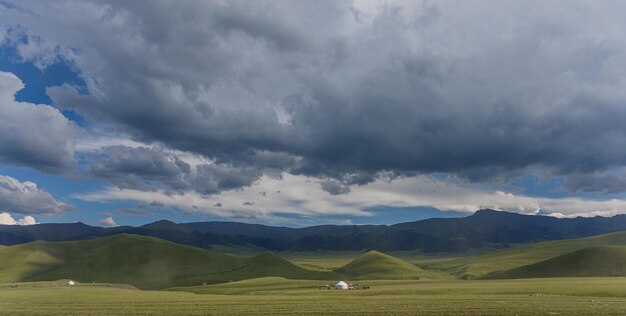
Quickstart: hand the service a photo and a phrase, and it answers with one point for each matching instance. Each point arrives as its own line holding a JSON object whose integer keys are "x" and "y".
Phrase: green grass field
{"x": 275, "y": 296}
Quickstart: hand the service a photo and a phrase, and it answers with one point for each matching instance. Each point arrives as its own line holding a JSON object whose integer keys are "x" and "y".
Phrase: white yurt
{"x": 341, "y": 285}
{"x": 70, "y": 282}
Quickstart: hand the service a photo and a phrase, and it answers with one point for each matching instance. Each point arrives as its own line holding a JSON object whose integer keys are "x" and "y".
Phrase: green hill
{"x": 507, "y": 259}
{"x": 268, "y": 263}
{"x": 152, "y": 263}
{"x": 263, "y": 265}
{"x": 144, "y": 262}
{"x": 601, "y": 261}
{"x": 377, "y": 265}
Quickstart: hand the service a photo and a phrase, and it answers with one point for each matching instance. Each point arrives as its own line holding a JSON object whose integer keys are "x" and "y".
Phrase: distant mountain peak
{"x": 164, "y": 221}
{"x": 162, "y": 224}
{"x": 490, "y": 212}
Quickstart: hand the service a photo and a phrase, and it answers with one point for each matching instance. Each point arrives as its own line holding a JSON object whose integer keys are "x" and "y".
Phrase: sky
{"x": 299, "y": 113}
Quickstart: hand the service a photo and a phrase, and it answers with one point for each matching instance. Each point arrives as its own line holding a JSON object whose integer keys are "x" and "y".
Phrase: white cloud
{"x": 303, "y": 196}
{"x": 89, "y": 142}
{"x": 108, "y": 222}
{"x": 7, "y": 219}
{"x": 96, "y": 142}
{"x": 33, "y": 135}
{"x": 26, "y": 198}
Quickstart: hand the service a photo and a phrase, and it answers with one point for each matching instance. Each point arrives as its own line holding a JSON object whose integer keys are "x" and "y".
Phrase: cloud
{"x": 26, "y": 198}
{"x": 606, "y": 182}
{"x": 7, "y": 219}
{"x": 33, "y": 135}
{"x": 156, "y": 204}
{"x": 151, "y": 168}
{"x": 140, "y": 167}
{"x": 107, "y": 222}
{"x": 482, "y": 92}
{"x": 301, "y": 197}
{"x": 334, "y": 187}
{"x": 297, "y": 197}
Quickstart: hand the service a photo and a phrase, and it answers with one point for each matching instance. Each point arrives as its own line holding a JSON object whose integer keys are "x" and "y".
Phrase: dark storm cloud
{"x": 258, "y": 26}
{"x": 604, "y": 182}
{"x": 215, "y": 178}
{"x": 145, "y": 168}
{"x": 140, "y": 167}
{"x": 334, "y": 187}
{"x": 332, "y": 90}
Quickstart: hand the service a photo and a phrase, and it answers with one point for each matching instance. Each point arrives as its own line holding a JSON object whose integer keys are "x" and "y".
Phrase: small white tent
{"x": 70, "y": 282}
{"x": 341, "y": 285}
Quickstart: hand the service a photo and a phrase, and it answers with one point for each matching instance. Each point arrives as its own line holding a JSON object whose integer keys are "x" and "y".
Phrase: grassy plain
{"x": 276, "y": 296}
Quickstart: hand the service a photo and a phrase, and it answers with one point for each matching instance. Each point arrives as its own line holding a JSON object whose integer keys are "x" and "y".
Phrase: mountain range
{"x": 485, "y": 229}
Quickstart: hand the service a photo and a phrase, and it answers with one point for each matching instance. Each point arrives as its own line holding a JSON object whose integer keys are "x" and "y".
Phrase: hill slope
{"x": 152, "y": 263}
{"x": 377, "y": 265}
{"x": 602, "y": 261}
{"x": 507, "y": 259}
{"x": 145, "y": 262}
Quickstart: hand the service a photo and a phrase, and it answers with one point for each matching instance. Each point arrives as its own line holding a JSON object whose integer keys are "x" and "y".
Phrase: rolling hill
{"x": 152, "y": 263}
{"x": 485, "y": 229}
{"x": 377, "y": 265}
{"x": 145, "y": 262}
{"x": 507, "y": 259}
{"x": 601, "y": 261}
{"x": 265, "y": 265}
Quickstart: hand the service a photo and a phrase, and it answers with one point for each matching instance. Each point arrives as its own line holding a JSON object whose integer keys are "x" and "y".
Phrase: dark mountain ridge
{"x": 483, "y": 229}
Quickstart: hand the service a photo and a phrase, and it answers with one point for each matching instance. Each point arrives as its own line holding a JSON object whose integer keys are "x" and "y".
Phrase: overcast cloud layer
{"x": 223, "y": 96}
